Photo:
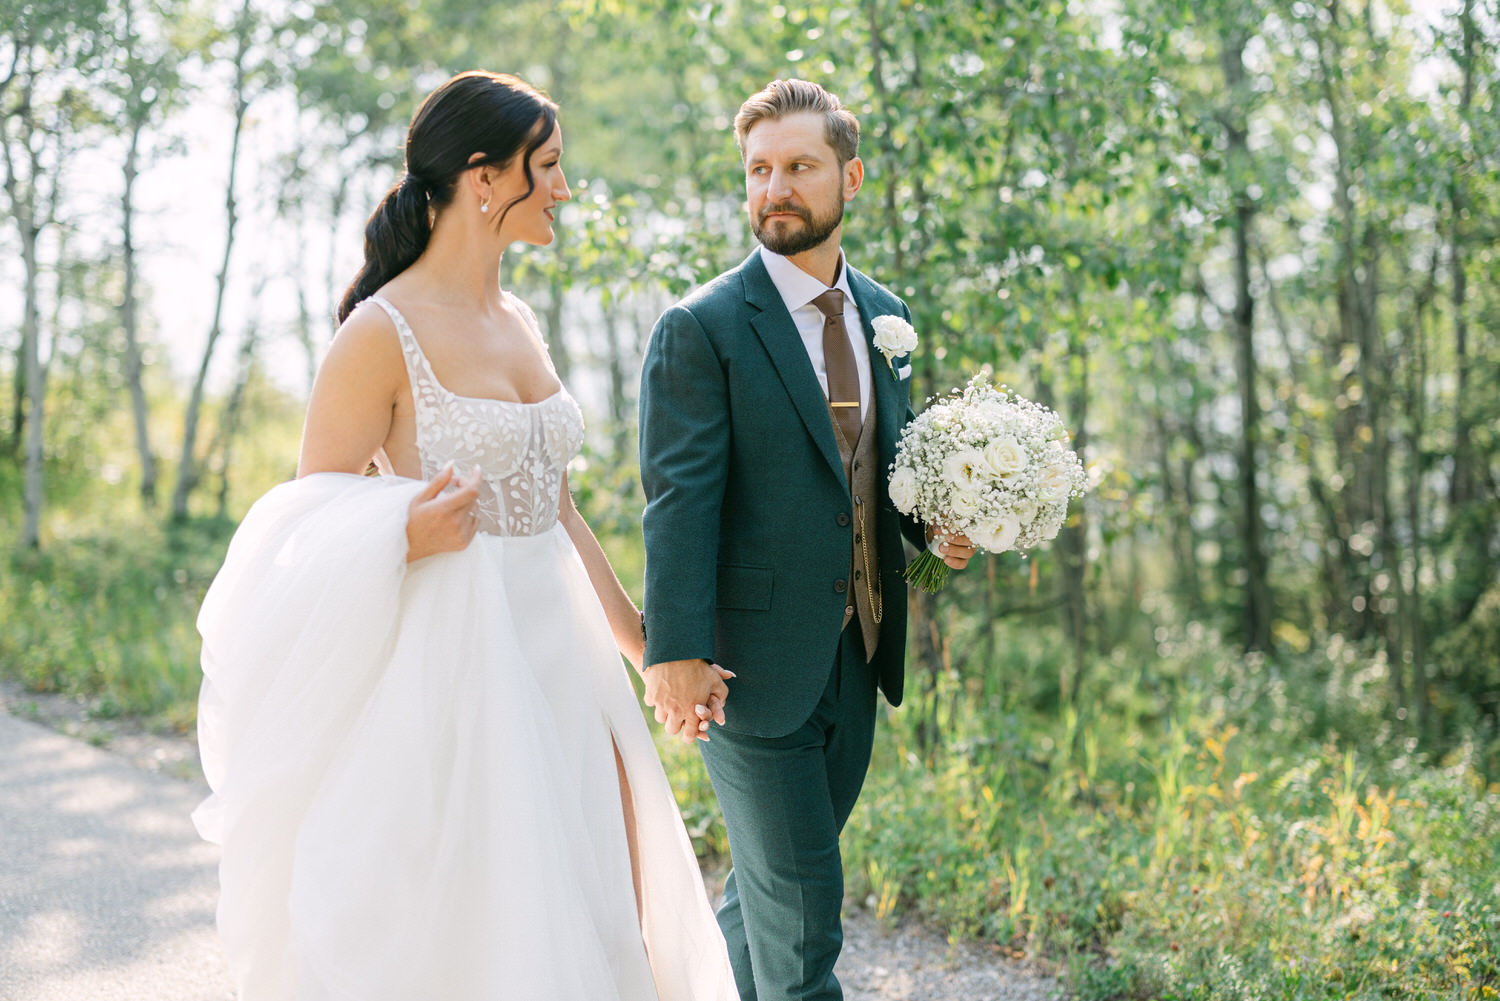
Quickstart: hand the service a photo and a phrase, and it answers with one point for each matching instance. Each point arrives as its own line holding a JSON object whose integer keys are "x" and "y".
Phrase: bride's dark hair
{"x": 493, "y": 114}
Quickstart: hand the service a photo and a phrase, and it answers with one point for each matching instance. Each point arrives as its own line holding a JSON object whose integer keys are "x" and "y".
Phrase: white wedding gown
{"x": 413, "y": 778}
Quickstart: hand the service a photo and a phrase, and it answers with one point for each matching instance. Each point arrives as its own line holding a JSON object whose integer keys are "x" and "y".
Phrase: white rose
{"x": 1025, "y": 511}
{"x": 965, "y": 504}
{"x": 1056, "y": 482}
{"x": 962, "y": 468}
{"x": 998, "y": 537}
{"x": 1005, "y": 457}
{"x": 903, "y": 490}
{"x": 893, "y": 336}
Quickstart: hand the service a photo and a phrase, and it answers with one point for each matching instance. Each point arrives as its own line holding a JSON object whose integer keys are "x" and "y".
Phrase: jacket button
{"x": 841, "y": 585}
{"x": 843, "y": 520}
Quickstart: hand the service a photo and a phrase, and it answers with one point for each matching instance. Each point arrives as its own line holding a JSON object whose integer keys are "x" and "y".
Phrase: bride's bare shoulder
{"x": 364, "y": 359}
{"x": 367, "y": 339}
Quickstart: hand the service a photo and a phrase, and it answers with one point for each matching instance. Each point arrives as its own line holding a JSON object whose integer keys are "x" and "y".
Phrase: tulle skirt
{"x": 414, "y": 776}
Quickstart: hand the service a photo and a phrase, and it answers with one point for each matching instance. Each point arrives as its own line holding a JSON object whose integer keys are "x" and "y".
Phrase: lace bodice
{"x": 521, "y": 449}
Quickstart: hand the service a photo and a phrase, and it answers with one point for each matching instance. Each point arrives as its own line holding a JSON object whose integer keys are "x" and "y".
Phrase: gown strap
{"x": 418, "y": 368}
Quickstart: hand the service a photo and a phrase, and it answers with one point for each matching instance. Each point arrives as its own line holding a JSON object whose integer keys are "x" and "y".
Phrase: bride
{"x": 431, "y": 777}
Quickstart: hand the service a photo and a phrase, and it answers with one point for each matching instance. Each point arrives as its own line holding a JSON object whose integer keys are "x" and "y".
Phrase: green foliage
{"x": 1209, "y": 848}
{"x": 109, "y": 616}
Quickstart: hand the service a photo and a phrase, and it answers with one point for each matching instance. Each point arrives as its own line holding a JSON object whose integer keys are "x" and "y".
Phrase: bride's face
{"x": 531, "y": 220}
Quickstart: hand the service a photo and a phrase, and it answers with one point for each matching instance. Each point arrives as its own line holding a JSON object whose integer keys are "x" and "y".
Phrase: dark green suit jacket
{"x": 747, "y": 521}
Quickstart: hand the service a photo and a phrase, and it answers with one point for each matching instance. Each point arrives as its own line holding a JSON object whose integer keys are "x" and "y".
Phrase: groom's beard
{"x": 788, "y": 240}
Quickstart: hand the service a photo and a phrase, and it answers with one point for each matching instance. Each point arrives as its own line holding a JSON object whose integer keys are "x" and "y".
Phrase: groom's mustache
{"x": 797, "y": 210}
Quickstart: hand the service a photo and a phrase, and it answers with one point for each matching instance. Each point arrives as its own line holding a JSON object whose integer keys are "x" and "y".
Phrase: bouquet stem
{"x": 927, "y": 572}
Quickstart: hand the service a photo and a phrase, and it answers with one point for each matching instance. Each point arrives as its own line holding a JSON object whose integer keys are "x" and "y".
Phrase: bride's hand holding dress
{"x": 442, "y": 522}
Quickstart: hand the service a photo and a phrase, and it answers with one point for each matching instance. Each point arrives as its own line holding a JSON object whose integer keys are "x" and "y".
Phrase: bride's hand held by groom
{"x": 687, "y": 695}
{"x": 442, "y": 520}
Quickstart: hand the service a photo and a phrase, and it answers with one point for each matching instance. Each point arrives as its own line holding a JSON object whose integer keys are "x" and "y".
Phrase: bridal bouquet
{"x": 987, "y": 464}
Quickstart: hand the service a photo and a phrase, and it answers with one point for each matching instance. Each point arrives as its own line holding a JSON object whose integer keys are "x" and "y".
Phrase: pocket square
{"x": 904, "y": 372}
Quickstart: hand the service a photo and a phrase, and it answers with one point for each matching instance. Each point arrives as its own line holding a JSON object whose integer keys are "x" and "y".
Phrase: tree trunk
{"x": 31, "y": 388}
{"x": 1257, "y": 599}
{"x": 230, "y": 423}
{"x": 557, "y": 346}
{"x": 1358, "y": 300}
{"x": 620, "y": 409}
{"x": 18, "y": 398}
{"x": 1411, "y": 586}
{"x": 187, "y": 472}
{"x": 304, "y": 328}
{"x": 331, "y": 280}
{"x": 1073, "y": 540}
{"x": 134, "y": 375}
{"x": 36, "y": 386}
{"x": 1472, "y": 552}
{"x": 13, "y": 191}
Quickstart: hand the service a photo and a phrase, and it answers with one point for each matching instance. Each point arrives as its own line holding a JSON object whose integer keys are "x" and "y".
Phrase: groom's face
{"x": 795, "y": 187}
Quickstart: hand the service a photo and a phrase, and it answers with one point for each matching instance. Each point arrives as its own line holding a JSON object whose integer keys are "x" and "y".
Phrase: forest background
{"x": 1234, "y": 734}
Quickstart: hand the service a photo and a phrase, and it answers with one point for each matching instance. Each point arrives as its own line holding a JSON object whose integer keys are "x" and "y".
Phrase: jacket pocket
{"x": 744, "y": 587}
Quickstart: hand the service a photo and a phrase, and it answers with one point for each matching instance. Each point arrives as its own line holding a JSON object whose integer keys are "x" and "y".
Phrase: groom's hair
{"x": 789, "y": 97}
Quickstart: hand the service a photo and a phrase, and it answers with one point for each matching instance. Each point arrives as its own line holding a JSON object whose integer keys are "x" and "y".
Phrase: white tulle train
{"x": 413, "y": 776}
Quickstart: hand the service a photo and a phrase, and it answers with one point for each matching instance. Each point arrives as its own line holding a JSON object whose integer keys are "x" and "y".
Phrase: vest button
{"x": 843, "y": 520}
{"x": 841, "y": 585}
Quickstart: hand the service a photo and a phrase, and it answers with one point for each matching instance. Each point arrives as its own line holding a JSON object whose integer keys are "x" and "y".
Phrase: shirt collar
{"x": 797, "y": 287}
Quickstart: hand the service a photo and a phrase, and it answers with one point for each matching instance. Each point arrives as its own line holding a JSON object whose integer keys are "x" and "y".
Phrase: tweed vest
{"x": 861, "y": 470}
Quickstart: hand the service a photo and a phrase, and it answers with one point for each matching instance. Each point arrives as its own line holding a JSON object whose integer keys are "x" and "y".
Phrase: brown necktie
{"x": 838, "y": 358}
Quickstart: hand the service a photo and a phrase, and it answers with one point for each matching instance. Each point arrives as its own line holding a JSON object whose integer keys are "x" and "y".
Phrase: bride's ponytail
{"x": 395, "y": 236}
{"x": 493, "y": 115}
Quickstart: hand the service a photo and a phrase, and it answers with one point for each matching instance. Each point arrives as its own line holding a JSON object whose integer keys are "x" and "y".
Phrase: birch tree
{"x": 244, "y": 88}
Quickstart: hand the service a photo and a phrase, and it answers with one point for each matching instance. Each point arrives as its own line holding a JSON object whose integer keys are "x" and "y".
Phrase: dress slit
{"x": 632, "y": 837}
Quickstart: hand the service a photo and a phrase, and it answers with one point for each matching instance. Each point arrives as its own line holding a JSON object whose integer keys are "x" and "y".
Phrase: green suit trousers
{"x": 785, "y": 800}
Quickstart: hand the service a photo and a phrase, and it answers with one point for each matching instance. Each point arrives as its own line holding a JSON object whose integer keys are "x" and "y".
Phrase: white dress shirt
{"x": 798, "y": 290}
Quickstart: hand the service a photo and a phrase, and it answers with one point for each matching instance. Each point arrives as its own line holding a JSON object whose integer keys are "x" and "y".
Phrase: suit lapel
{"x": 889, "y": 406}
{"x": 773, "y": 325}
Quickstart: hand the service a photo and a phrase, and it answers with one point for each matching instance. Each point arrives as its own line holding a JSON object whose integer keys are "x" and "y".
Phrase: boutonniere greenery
{"x": 894, "y": 338}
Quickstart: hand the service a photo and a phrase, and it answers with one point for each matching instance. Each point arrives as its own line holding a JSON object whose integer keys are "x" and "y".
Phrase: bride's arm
{"x": 354, "y": 396}
{"x": 624, "y": 617}
{"x": 349, "y": 417}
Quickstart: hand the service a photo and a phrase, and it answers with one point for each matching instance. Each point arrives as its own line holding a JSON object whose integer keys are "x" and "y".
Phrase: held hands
{"x": 440, "y": 522}
{"x": 686, "y": 695}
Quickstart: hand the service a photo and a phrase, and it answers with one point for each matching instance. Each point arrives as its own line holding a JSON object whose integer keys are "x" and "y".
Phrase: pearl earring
{"x": 486, "y": 206}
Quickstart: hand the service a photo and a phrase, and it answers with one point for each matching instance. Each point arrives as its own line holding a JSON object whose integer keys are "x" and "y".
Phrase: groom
{"x": 768, "y": 423}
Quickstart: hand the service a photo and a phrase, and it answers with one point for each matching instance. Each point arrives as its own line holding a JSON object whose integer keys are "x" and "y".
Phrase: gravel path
{"x": 107, "y": 894}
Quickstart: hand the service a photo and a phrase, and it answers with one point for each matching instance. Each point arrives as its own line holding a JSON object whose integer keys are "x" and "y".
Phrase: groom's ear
{"x": 854, "y": 178}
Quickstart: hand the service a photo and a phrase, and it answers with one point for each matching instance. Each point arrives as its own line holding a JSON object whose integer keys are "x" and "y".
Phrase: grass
{"x": 1221, "y": 852}
{"x": 111, "y": 617}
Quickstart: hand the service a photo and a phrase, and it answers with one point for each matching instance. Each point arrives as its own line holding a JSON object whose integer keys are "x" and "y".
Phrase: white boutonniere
{"x": 894, "y": 338}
